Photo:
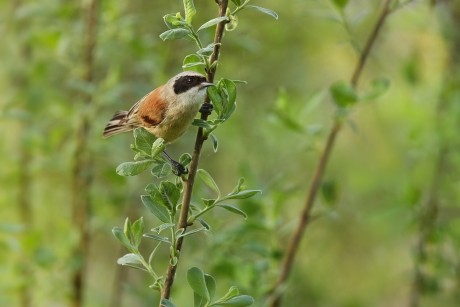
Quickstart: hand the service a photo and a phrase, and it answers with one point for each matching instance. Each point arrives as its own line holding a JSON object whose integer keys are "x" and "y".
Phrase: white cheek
{"x": 194, "y": 96}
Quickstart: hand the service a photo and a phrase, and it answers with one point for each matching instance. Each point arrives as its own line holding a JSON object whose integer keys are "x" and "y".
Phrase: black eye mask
{"x": 184, "y": 83}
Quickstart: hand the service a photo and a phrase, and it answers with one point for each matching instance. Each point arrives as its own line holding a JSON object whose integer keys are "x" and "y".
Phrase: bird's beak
{"x": 206, "y": 84}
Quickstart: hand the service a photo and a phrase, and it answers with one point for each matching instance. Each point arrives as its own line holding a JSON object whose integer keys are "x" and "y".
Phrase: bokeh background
{"x": 386, "y": 228}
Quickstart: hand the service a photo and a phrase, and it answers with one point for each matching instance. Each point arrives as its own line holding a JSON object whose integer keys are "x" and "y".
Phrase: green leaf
{"x": 329, "y": 191}
{"x": 167, "y": 303}
{"x": 216, "y": 98}
{"x": 230, "y": 26}
{"x": 208, "y": 202}
{"x": 143, "y": 140}
{"x": 212, "y": 22}
{"x": 227, "y": 92}
{"x": 234, "y": 210}
{"x": 185, "y": 159}
{"x": 198, "y": 301}
{"x": 191, "y": 232}
{"x": 239, "y": 301}
{"x": 174, "y": 20}
{"x": 379, "y": 87}
{"x": 210, "y": 285}
{"x": 208, "y": 180}
{"x": 127, "y": 228}
{"x": 242, "y": 194}
{"x": 161, "y": 170}
{"x": 157, "y": 209}
{"x": 230, "y": 87}
{"x": 196, "y": 280}
{"x": 215, "y": 142}
{"x": 170, "y": 194}
{"x": 237, "y": 2}
{"x": 238, "y": 187}
{"x": 190, "y": 11}
{"x": 137, "y": 230}
{"x": 204, "y": 224}
{"x": 157, "y": 147}
{"x": 162, "y": 227}
{"x": 207, "y": 51}
{"x": 343, "y": 94}
{"x": 131, "y": 259}
{"x": 133, "y": 168}
{"x": 122, "y": 238}
{"x": 232, "y": 292}
{"x": 157, "y": 238}
{"x": 198, "y": 122}
{"x": 192, "y": 60}
{"x": 264, "y": 10}
{"x": 175, "y": 33}
{"x": 229, "y": 112}
{"x": 340, "y": 4}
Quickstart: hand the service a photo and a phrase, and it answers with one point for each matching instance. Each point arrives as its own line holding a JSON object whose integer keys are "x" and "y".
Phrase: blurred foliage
{"x": 361, "y": 249}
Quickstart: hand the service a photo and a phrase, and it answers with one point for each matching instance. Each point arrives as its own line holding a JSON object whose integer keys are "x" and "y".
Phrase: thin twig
{"x": 200, "y": 138}
{"x": 276, "y": 293}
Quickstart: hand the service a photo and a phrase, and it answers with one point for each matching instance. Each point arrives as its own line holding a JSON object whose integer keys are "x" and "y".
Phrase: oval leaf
{"x": 157, "y": 147}
{"x": 170, "y": 194}
{"x": 216, "y": 98}
{"x": 234, "y": 210}
{"x": 130, "y": 259}
{"x": 122, "y": 238}
{"x": 242, "y": 194}
{"x": 343, "y": 93}
{"x": 215, "y": 142}
{"x": 239, "y": 301}
{"x": 133, "y": 168}
{"x": 208, "y": 180}
{"x": 264, "y": 10}
{"x": 196, "y": 280}
{"x": 161, "y": 170}
{"x": 157, "y": 209}
{"x": 175, "y": 33}
{"x": 210, "y": 285}
{"x": 190, "y": 11}
{"x": 212, "y": 22}
{"x": 143, "y": 140}
{"x": 157, "y": 238}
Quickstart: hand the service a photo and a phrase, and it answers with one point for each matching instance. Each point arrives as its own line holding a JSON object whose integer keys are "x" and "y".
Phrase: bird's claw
{"x": 178, "y": 169}
{"x": 206, "y": 108}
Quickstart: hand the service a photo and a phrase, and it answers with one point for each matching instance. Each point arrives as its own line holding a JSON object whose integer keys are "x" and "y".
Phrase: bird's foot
{"x": 178, "y": 169}
{"x": 206, "y": 108}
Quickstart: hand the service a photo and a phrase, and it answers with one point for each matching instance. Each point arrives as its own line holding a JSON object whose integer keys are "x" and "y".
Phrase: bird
{"x": 166, "y": 112}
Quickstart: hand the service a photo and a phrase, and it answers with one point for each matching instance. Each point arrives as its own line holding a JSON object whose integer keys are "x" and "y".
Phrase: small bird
{"x": 166, "y": 112}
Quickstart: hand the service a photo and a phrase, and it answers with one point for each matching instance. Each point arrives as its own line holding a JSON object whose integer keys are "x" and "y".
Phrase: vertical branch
{"x": 82, "y": 164}
{"x": 200, "y": 138}
{"x": 428, "y": 215}
{"x": 276, "y": 294}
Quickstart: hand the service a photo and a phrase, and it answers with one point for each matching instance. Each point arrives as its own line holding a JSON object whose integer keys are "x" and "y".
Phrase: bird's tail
{"x": 118, "y": 124}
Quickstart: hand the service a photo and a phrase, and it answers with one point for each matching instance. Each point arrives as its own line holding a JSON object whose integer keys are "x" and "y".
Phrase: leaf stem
{"x": 200, "y": 138}
{"x": 276, "y": 294}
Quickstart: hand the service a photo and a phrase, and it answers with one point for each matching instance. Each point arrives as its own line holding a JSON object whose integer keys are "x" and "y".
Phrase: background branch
{"x": 82, "y": 164}
{"x": 200, "y": 138}
{"x": 276, "y": 293}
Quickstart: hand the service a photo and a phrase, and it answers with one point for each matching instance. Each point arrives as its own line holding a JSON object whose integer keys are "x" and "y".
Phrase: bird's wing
{"x": 150, "y": 110}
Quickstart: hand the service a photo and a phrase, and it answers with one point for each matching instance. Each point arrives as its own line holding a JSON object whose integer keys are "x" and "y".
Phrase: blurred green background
{"x": 386, "y": 228}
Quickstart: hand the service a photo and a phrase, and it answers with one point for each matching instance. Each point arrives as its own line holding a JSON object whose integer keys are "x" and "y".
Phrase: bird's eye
{"x": 189, "y": 80}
